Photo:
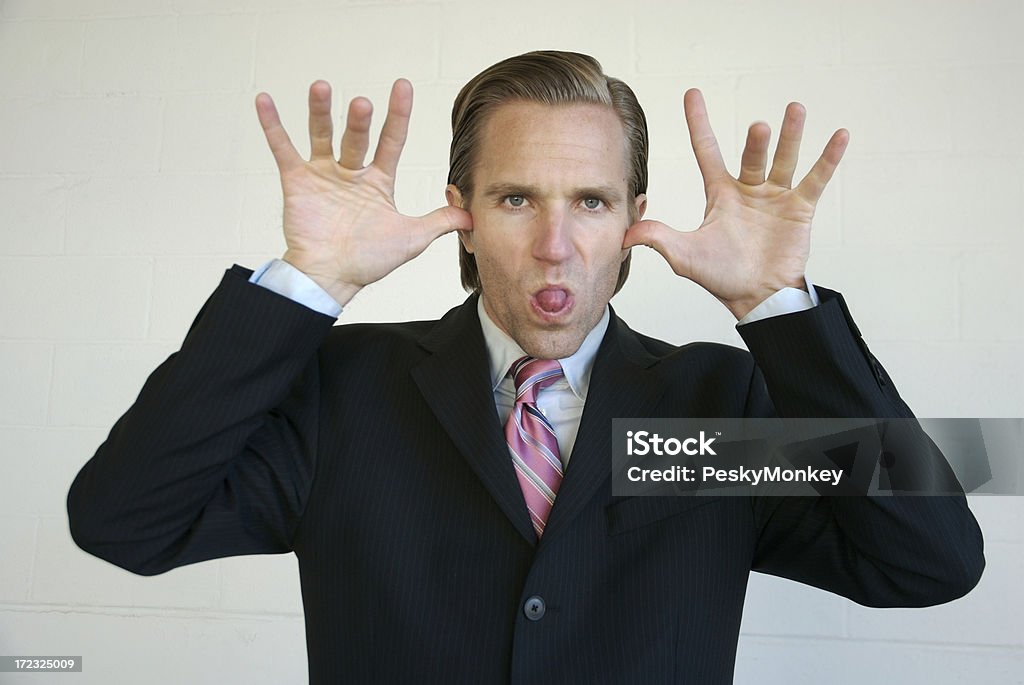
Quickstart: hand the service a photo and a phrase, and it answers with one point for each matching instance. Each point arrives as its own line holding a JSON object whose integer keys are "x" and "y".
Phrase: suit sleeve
{"x": 216, "y": 456}
{"x": 881, "y": 551}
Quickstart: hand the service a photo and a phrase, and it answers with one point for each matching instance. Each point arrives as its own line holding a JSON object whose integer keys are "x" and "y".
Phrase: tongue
{"x": 551, "y": 300}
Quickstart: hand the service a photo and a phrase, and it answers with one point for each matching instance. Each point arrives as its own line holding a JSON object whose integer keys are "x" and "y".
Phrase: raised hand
{"x": 340, "y": 222}
{"x": 755, "y": 238}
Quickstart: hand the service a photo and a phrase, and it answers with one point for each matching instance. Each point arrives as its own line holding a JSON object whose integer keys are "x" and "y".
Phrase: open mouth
{"x": 552, "y": 301}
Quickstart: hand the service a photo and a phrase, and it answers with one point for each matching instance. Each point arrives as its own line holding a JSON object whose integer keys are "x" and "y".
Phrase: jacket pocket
{"x": 636, "y": 512}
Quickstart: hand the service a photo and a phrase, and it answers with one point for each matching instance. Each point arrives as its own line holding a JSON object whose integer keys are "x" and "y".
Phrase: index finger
{"x": 395, "y": 129}
{"x": 702, "y": 138}
{"x": 813, "y": 184}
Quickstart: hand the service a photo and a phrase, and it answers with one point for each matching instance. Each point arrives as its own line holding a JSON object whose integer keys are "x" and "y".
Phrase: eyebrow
{"x": 496, "y": 190}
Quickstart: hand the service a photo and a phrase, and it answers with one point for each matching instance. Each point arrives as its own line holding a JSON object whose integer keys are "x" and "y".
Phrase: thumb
{"x": 445, "y": 220}
{"x": 650, "y": 233}
{"x": 668, "y": 242}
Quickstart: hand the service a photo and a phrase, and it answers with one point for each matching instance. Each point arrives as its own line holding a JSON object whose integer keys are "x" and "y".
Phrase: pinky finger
{"x": 813, "y": 184}
{"x": 277, "y": 138}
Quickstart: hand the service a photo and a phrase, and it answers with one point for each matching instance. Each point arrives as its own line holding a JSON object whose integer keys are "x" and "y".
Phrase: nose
{"x": 552, "y": 240}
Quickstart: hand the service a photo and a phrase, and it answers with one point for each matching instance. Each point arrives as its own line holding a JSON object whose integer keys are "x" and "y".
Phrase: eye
{"x": 515, "y": 201}
{"x": 593, "y": 203}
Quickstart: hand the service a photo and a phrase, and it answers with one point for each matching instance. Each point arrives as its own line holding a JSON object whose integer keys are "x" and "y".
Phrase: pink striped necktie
{"x": 531, "y": 439}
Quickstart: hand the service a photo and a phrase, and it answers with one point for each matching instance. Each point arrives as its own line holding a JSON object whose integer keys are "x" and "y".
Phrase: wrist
{"x": 340, "y": 291}
{"x": 741, "y": 306}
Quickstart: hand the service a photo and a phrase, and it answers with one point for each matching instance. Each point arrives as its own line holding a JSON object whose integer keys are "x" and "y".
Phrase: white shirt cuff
{"x": 785, "y": 301}
{"x": 284, "y": 279}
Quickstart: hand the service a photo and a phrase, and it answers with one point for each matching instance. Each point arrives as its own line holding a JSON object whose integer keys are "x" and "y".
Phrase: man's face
{"x": 550, "y": 209}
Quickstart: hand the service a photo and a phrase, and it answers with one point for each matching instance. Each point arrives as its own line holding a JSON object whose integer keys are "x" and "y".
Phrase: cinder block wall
{"x": 133, "y": 172}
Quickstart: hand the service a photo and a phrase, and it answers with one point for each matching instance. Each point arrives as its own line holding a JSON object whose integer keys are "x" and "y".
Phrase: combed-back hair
{"x": 552, "y": 78}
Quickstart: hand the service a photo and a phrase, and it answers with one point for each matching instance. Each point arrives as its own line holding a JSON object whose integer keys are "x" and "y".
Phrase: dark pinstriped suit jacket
{"x": 374, "y": 452}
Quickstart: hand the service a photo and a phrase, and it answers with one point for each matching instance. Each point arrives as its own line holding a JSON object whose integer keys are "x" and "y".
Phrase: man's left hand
{"x": 756, "y": 234}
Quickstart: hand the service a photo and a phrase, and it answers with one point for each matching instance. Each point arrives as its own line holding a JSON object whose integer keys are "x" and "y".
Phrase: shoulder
{"x": 697, "y": 378}
{"x": 698, "y": 354}
{"x": 375, "y": 340}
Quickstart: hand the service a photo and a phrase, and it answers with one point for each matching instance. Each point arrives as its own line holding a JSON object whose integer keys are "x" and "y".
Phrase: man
{"x": 445, "y": 485}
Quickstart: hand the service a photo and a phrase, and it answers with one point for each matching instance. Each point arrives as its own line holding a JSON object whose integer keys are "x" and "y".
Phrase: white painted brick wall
{"x": 89, "y": 134}
{"x": 70, "y": 297}
{"x": 34, "y": 213}
{"x": 133, "y": 172}
{"x": 94, "y": 382}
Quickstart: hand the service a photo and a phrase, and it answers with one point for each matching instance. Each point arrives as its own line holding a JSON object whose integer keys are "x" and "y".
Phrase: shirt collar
{"x": 502, "y": 351}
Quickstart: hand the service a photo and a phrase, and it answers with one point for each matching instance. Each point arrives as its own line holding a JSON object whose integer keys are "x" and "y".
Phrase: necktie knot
{"x": 532, "y": 375}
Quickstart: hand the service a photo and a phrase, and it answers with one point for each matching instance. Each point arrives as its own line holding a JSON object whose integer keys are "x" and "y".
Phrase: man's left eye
{"x": 592, "y": 203}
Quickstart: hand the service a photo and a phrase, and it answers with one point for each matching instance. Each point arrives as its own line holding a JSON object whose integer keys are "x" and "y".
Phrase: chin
{"x": 551, "y": 345}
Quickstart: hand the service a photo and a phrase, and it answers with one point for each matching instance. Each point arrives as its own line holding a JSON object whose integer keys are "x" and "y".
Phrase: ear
{"x": 454, "y": 198}
{"x": 641, "y": 205}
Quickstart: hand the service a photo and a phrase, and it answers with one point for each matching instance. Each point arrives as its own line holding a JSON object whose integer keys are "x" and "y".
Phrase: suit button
{"x": 534, "y": 608}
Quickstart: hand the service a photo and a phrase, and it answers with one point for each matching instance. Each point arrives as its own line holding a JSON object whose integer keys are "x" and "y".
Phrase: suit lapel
{"x": 622, "y": 384}
{"x": 455, "y": 381}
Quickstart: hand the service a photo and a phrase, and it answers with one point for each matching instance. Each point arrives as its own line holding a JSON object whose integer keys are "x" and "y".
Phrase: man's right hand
{"x": 340, "y": 222}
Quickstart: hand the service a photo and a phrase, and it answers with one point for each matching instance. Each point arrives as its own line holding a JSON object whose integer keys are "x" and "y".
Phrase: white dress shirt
{"x": 562, "y": 401}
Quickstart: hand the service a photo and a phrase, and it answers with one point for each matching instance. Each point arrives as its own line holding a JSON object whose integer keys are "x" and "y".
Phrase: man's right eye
{"x": 515, "y": 200}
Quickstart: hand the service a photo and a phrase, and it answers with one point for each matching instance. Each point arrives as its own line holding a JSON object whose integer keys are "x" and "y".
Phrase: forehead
{"x": 534, "y": 142}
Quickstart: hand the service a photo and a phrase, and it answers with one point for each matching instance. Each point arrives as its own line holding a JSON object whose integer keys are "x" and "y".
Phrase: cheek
{"x": 495, "y": 267}
{"x": 495, "y": 243}
{"x": 609, "y": 249}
